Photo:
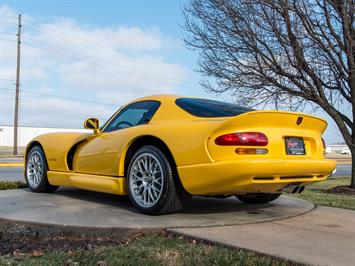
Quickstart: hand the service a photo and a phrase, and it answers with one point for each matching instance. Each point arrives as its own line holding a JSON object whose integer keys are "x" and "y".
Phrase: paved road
{"x": 11, "y": 174}
{"x": 343, "y": 170}
{"x": 16, "y": 173}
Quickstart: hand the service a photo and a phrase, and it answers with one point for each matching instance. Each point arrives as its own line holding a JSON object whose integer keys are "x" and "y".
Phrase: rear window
{"x": 210, "y": 108}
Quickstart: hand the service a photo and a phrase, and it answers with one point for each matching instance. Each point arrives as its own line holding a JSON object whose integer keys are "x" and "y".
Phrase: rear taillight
{"x": 242, "y": 139}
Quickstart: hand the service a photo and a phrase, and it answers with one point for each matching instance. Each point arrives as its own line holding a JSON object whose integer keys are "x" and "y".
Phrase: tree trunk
{"x": 352, "y": 184}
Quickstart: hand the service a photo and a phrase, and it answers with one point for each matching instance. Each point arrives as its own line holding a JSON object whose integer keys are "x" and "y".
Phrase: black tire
{"x": 169, "y": 200}
{"x": 258, "y": 198}
{"x": 42, "y": 185}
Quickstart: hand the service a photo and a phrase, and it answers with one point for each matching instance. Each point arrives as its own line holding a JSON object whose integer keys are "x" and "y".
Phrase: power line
{"x": 161, "y": 71}
{"x": 8, "y": 22}
{"x": 100, "y": 62}
{"x": 7, "y": 33}
{"x": 59, "y": 96}
{"x": 7, "y": 16}
{"x": 9, "y": 40}
{"x": 78, "y": 115}
{"x": 83, "y": 43}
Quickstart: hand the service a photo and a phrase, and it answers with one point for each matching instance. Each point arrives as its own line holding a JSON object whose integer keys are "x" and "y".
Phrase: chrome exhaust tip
{"x": 291, "y": 188}
{"x": 334, "y": 171}
{"x": 301, "y": 188}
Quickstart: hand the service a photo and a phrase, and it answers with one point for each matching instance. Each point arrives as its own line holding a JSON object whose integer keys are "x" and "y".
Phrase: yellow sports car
{"x": 162, "y": 149}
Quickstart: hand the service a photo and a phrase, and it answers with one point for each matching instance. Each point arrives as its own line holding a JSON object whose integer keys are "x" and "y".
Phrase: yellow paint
{"x": 11, "y": 164}
{"x": 203, "y": 166}
{"x": 246, "y": 175}
{"x": 107, "y": 184}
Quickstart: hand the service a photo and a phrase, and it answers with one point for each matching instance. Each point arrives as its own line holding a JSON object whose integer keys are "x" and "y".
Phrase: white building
{"x": 25, "y": 134}
{"x": 338, "y": 148}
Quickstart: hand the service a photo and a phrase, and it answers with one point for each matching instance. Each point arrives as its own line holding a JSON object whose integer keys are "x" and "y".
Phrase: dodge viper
{"x": 163, "y": 149}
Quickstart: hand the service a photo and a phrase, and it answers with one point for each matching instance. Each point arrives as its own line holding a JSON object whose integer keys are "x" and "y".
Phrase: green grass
{"x": 149, "y": 250}
{"x": 317, "y": 194}
{"x": 5, "y": 185}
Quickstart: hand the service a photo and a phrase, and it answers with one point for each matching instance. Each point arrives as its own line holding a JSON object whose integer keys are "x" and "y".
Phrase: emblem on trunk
{"x": 299, "y": 120}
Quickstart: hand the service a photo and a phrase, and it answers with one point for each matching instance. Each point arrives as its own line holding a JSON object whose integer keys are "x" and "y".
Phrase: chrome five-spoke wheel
{"x": 146, "y": 180}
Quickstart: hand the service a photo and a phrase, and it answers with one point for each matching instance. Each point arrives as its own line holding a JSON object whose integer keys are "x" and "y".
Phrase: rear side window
{"x": 210, "y": 108}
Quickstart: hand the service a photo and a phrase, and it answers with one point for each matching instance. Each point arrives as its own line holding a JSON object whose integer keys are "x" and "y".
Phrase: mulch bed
{"x": 342, "y": 190}
{"x": 36, "y": 247}
{"x": 31, "y": 239}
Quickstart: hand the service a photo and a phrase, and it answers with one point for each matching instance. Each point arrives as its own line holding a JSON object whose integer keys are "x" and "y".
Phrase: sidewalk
{"x": 325, "y": 236}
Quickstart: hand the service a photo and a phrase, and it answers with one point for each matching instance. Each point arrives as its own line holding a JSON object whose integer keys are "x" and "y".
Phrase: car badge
{"x": 299, "y": 120}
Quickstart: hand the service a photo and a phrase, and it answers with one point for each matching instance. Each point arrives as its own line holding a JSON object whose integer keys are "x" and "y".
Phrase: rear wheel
{"x": 151, "y": 184}
{"x": 258, "y": 198}
{"x": 36, "y": 171}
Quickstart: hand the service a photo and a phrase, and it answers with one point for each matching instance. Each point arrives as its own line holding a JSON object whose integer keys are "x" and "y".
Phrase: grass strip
{"x": 147, "y": 250}
{"x": 318, "y": 194}
{"x": 5, "y": 185}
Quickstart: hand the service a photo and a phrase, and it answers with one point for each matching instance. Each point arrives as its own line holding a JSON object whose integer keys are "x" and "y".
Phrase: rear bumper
{"x": 251, "y": 176}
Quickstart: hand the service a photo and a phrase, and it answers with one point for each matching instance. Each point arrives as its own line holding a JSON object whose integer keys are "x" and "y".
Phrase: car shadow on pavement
{"x": 197, "y": 205}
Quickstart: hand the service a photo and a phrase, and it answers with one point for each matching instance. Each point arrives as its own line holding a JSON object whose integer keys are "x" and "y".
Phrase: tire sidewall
{"x": 42, "y": 186}
{"x": 167, "y": 176}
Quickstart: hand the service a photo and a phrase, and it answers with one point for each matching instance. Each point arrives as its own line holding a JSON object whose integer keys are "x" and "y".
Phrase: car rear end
{"x": 261, "y": 152}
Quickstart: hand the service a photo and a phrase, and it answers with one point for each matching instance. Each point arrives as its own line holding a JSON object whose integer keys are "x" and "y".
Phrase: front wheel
{"x": 36, "y": 171}
{"x": 151, "y": 184}
{"x": 258, "y": 198}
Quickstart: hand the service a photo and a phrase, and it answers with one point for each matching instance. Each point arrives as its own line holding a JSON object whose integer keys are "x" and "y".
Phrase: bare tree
{"x": 293, "y": 52}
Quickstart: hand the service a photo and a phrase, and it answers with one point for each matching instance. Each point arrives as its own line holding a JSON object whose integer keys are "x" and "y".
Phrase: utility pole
{"x": 17, "y": 85}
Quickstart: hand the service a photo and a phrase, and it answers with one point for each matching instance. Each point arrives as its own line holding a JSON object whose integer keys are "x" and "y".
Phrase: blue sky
{"x": 101, "y": 52}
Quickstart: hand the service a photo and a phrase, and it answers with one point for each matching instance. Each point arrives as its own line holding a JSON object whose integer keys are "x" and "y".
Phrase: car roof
{"x": 158, "y": 97}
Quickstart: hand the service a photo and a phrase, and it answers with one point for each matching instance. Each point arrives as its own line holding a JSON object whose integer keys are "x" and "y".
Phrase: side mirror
{"x": 92, "y": 123}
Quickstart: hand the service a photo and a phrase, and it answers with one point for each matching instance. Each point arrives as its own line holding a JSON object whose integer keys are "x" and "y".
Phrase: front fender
{"x": 56, "y": 147}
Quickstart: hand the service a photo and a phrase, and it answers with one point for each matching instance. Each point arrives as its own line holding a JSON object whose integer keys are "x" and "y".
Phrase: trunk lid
{"x": 279, "y": 127}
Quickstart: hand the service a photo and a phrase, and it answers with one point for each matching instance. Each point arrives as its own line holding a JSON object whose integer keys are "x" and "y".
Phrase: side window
{"x": 134, "y": 114}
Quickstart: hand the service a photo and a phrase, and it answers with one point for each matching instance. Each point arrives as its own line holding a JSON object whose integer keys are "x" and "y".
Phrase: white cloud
{"x": 104, "y": 64}
{"x": 119, "y": 38}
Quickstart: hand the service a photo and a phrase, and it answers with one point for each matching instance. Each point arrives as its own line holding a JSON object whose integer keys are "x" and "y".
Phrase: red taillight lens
{"x": 324, "y": 145}
{"x": 242, "y": 139}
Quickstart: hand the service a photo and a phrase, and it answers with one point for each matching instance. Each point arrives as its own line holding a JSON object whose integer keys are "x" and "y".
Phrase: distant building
{"x": 27, "y": 133}
{"x": 338, "y": 149}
